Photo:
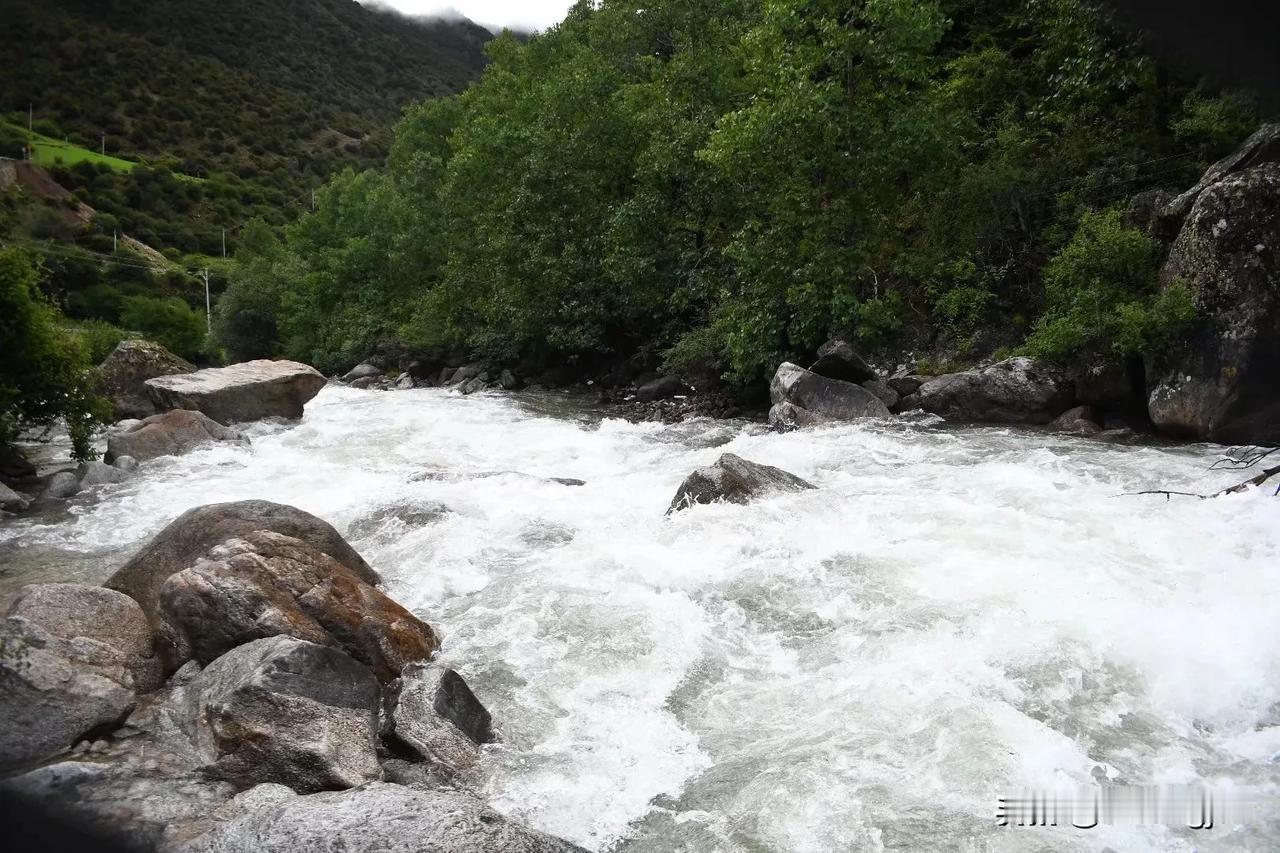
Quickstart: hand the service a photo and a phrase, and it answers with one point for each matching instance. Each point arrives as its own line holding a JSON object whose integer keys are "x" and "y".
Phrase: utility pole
{"x": 114, "y": 234}
{"x": 208, "y": 309}
{"x": 104, "y": 143}
{"x": 313, "y": 199}
{"x": 224, "y": 242}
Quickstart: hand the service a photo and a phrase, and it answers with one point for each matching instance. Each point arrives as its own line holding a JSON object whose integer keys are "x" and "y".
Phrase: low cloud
{"x": 517, "y": 14}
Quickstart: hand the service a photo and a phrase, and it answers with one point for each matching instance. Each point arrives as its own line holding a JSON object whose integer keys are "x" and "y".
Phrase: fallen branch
{"x": 1230, "y": 490}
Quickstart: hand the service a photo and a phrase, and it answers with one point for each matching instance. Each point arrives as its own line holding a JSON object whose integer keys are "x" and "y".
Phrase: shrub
{"x": 170, "y": 321}
{"x": 1103, "y": 295}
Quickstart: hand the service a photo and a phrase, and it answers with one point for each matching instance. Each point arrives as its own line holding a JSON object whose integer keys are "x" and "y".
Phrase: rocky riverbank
{"x": 1216, "y": 384}
{"x": 243, "y": 684}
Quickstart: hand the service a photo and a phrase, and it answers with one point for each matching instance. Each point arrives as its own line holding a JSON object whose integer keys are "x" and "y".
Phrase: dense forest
{"x": 717, "y": 186}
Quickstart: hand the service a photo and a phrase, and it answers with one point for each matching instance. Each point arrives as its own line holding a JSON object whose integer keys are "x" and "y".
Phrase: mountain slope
{"x": 267, "y": 100}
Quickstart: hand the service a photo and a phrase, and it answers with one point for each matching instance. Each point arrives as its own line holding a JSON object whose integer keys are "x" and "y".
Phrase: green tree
{"x": 246, "y": 324}
{"x": 44, "y": 374}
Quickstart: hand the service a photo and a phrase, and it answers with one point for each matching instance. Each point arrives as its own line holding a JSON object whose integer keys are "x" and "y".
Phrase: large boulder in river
{"x": 196, "y": 532}
{"x": 265, "y": 584}
{"x": 1220, "y": 384}
{"x": 287, "y": 711}
{"x": 736, "y": 480}
{"x": 838, "y": 360}
{"x": 820, "y": 398}
{"x": 1016, "y": 390}
{"x": 124, "y": 373}
{"x": 169, "y": 434}
{"x": 249, "y": 391}
{"x": 376, "y": 818}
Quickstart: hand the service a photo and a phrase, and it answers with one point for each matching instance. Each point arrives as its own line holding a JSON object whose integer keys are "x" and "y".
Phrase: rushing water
{"x": 952, "y": 615}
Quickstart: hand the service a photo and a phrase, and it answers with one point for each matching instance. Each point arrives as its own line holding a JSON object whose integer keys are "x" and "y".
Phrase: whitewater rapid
{"x": 954, "y": 614}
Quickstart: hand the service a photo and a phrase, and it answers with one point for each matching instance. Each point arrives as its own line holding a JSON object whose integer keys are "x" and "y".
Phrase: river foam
{"x": 953, "y": 614}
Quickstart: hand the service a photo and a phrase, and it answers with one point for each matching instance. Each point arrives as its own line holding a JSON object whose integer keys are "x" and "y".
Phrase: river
{"x": 954, "y": 614}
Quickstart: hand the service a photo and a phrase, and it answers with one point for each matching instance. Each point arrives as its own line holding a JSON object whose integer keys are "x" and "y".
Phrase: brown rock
{"x": 170, "y": 434}
{"x": 265, "y": 584}
{"x": 192, "y": 535}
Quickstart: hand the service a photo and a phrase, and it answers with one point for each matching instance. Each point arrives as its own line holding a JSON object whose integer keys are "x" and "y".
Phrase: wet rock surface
{"x": 736, "y": 480}
{"x": 196, "y": 532}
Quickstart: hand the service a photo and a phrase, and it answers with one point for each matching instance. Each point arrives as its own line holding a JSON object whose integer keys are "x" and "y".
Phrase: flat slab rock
{"x": 735, "y": 480}
{"x": 250, "y": 391}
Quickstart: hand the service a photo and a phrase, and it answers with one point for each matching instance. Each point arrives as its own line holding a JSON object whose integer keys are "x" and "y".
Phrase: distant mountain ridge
{"x": 265, "y": 99}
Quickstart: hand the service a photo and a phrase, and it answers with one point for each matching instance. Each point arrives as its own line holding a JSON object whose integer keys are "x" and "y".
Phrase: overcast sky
{"x": 521, "y": 14}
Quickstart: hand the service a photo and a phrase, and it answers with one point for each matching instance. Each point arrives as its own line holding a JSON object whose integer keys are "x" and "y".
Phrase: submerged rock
{"x": 287, "y": 711}
{"x": 735, "y": 480}
{"x": 250, "y": 391}
{"x": 124, "y": 374}
{"x": 1220, "y": 384}
{"x": 266, "y": 584}
{"x": 1016, "y": 390}
{"x": 391, "y": 520}
{"x": 820, "y": 398}
{"x": 377, "y": 818}
{"x": 192, "y": 535}
{"x": 170, "y": 434}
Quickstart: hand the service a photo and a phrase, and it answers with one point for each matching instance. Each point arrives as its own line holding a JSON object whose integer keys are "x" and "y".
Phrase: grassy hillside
{"x": 51, "y": 153}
